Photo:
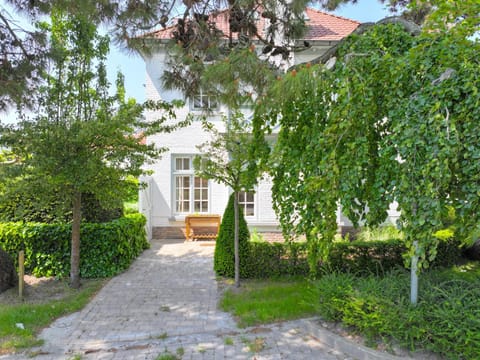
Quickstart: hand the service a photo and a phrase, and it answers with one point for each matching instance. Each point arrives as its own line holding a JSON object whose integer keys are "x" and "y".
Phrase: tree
{"x": 24, "y": 53}
{"x": 82, "y": 139}
{"x": 390, "y": 117}
{"x": 229, "y": 158}
{"x": 224, "y": 257}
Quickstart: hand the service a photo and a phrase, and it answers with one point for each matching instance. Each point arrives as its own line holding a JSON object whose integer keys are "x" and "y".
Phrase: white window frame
{"x": 243, "y": 204}
{"x": 188, "y": 172}
{"x": 203, "y": 97}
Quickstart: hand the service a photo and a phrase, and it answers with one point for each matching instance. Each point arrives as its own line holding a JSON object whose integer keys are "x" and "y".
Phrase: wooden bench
{"x": 202, "y": 226}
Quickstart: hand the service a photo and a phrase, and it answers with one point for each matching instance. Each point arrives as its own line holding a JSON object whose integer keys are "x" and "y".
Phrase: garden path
{"x": 165, "y": 307}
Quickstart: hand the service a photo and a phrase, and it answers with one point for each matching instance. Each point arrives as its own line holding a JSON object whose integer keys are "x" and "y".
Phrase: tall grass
{"x": 445, "y": 321}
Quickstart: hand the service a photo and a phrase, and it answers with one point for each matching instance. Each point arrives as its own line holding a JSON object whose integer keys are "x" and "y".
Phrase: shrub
{"x": 444, "y": 321}
{"x": 105, "y": 249}
{"x": 369, "y": 257}
{"x": 362, "y": 258}
{"x": 270, "y": 260}
{"x": 27, "y": 207}
{"x": 94, "y": 212}
{"x": 224, "y": 256}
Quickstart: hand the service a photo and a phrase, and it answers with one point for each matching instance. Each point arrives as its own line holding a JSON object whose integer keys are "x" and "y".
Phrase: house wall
{"x": 183, "y": 142}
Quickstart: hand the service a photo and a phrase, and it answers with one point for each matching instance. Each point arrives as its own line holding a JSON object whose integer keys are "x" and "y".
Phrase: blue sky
{"x": 133, "y": 67}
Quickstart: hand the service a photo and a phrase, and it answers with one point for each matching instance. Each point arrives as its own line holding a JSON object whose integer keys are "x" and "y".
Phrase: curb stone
{"x": 357, "y": 351}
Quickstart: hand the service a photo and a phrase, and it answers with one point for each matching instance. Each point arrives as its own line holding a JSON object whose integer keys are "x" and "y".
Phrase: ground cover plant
{"x": 445, "y": 320}
{"x": 38, "y": 310}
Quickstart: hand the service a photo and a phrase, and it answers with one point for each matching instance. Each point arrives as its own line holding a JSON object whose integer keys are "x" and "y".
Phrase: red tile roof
{"x": 324, "y": 26}
{"x": 320, "y": 26}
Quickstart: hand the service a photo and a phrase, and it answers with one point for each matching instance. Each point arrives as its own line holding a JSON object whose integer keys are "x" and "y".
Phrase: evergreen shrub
{"x": 268, "y": 260}
{"x": 106, "y": 249}
{"x": 224, "y": 256}
{"x": 27, "y": 208}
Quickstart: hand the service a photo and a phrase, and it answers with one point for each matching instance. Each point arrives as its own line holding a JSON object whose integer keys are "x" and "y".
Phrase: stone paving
{"x": 165, "y": 307}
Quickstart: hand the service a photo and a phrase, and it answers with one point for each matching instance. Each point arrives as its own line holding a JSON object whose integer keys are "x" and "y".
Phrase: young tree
{"x": 82, "y": 140}
{"x": 229, "y": 158}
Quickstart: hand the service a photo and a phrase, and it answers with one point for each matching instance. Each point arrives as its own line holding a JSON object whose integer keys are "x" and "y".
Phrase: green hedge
{"x": 105, "y": 249}
{"x": 26, "y": 207}
{"x": 268, "y": 260}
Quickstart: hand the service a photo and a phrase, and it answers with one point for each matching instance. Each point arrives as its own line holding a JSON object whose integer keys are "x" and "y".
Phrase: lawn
{"x": 33, "y": 316}
{"x": 260, "y": 302}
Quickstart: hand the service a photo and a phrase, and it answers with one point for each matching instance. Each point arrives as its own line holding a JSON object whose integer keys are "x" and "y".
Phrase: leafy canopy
{"x": 394, "y": 119}
{"x": 82, "y": 140}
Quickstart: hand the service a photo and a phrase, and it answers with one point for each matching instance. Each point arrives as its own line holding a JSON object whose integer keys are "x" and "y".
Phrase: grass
{"x": 256, "y": 345}
{"x": 167, "y": 356}
{"x": 34, "y": 317}
{"x": 379, "y": 234}
{"x": 261, "y": 302}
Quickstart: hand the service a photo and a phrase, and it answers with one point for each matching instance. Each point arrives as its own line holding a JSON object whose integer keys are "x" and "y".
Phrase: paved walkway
{"x": 166, "y": 304}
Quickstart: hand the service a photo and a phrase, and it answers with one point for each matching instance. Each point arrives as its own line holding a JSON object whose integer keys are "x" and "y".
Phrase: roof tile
{"x": 320, "y": 26}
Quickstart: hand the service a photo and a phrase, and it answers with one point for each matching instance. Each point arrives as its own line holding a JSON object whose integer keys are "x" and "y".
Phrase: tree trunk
{"x": 414, "y": 269}
{"x": 75, "y": 253}
{"x": 414, "y": 276}
{"x": 235, "y": 241}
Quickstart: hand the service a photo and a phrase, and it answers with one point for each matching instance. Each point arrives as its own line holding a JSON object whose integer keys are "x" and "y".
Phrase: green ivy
{"x": 107, "y": 248}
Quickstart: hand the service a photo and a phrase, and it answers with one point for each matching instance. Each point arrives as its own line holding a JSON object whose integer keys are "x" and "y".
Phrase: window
{"x": 191, "y": 192}
{"x": 204, "y": 101}
{"x": 246, "y": 200}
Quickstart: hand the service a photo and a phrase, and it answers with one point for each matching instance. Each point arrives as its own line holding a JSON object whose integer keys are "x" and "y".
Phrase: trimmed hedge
{"x": 268, "y": 260}
{"x": 224, "y": 256}
{"x": 106, "y": 249}
{"x": 24, "y": 208}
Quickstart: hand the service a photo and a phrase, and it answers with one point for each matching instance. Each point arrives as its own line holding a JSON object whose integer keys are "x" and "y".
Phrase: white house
{"x": 173, "y": 190}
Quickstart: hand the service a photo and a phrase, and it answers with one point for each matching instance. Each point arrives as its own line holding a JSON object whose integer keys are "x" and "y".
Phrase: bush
{"x": 224, "y": 256}
{"x": 105, "y": 250}
{"x": 369, "y": 257}
{"x": 94, "y": 212}
{"x": 271, "y": 260}
{"x": 361, "y": 258}
{"x": 445, "y": 320}
{"x": 27, "y": 207}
